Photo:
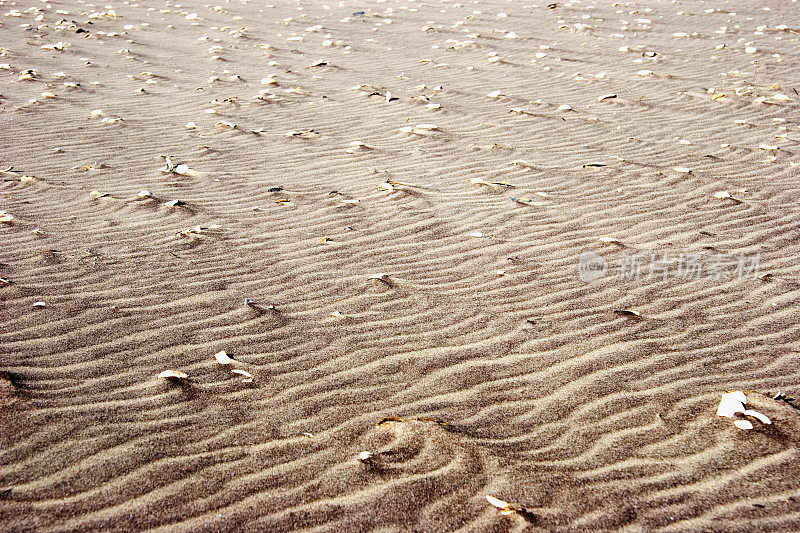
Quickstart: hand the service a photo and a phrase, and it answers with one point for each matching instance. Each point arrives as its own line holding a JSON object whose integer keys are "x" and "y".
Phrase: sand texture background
{"x": 527, "y": 384}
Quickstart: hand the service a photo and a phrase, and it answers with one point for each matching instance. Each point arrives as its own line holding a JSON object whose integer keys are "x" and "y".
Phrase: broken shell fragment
{"x": 248, "y": 377}
{"x": 173, "y": 374}
{"x": 480, "y": 181}
{"x": 731, "y": 403}
{"x": 764, "y": 419}
{"x": 504, "y": 507}
{"x": 365, "y": 456}
{"x": 223, "y": 358}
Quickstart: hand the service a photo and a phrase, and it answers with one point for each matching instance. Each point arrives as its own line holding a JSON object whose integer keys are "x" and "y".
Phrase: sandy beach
{"x": 414, "y": 266}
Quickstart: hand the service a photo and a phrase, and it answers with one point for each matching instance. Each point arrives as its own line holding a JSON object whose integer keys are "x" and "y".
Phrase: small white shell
{"x": 760, "y": 416}
{"x": 248, "y": 377}
{"x": 497, "y": 502}
{"x": 223, "y": 358}
{"x": 731, "y": 403}
{"x": 173, "y": 374}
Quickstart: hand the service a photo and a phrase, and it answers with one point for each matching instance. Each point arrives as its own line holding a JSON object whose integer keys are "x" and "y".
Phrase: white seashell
{"x": 248, "y": 377}
{"x": 760, "y": 416}
{"x": 731, "y": 403}
{"x": 223, "y": 358}
{"x": 173, "y": 374}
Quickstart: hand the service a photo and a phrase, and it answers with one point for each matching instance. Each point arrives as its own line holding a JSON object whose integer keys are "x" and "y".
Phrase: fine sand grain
{"x": 314, "y": 265}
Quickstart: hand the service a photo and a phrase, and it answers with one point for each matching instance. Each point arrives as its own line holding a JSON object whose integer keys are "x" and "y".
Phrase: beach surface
{"x": 449, "y": 250}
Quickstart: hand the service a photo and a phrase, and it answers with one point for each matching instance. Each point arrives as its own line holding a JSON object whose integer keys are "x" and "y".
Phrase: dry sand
{"x": 588, "y": 406}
